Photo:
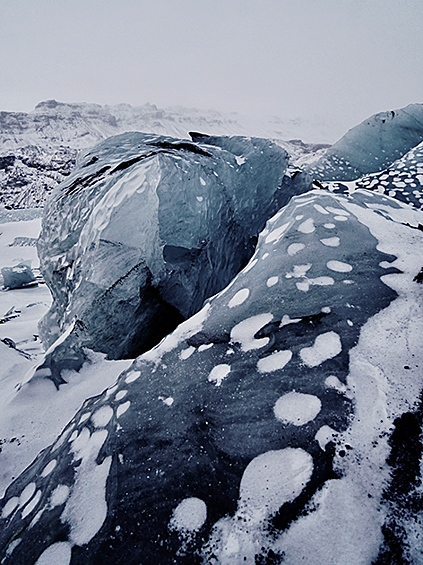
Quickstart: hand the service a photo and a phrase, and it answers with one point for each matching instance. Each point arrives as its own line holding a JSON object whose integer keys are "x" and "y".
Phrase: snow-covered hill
{"x": 38, "y": 149}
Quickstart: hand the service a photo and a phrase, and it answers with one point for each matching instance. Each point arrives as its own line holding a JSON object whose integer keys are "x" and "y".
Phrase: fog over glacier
{"x": 337, "y": 60}
{"x": 211, "y": 344}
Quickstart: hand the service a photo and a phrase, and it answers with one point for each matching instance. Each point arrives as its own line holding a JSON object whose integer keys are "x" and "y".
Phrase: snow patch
{"x": 297, "y": 408}
{"x": 189, "y": 515}
{"x": 307, "y": 226}
{"x": 275, "y": 361}
{"x": 219, "y": 373}
{"x": 339, "y": 266}
{"x": 326, "y": 346}
{"x": 240, "y": 297}
{"x": 243, "y": 333}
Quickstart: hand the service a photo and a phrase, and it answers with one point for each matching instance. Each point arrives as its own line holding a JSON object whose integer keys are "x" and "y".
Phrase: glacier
{"x": 193, "y": 455}
{"x": 371, "y": 146}
{"x": 279, "y": 420}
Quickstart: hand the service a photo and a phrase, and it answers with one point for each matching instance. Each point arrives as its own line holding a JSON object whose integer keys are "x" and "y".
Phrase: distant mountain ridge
{"x": 38, "y": 149}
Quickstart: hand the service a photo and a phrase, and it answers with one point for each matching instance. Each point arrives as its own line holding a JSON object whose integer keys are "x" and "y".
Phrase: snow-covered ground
{"x": 33, "y": 413}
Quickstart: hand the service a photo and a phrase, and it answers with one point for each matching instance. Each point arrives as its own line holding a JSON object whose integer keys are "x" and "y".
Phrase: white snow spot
{"x": 59, "y": 553}
{"x": 86, "y": 509}
{"x": 273, "y": 478}
{"x": 277, "y": 233}
{"x": 85, "y": 416}
{"x": 27, "y": 494}
{"x": 329, "y": 226}
{"x": 219, "y": 373}
{"x": 168, "y": 401}
{"x": 110, "y": 391}
{"x": 275, "y": 361}
{"x": 73, "y": 436}
{"x": 324, "y": 435}
{"x": 295, "y": 248}
{"x": 203, "y": 182}
{"x": 339, "y": 266}
{"x": 49, "y": 468}
{"x": 326, "y": 310}
{"x": 287, "y": 320}
{"x": 331, "y": 241}
{"x": 10, "y": 506}
{"x": 200, "y": 198}
{"x": 240, "y": 160}
{"x": 59, "y": 496}
{"x": 243, "y": 333}
{"x": 265, "y": 255}
{"x": 189, "y": 515}
{"x": 205, "y": 346}
{"x": 299, "y": 271}
{"x": 30, "y": 507}
{"x": 338, "y": 211}
{"x": 320, "y": 209}
{"x": 122, "y": 409}
{"x": 299, "y": 217}
{"x": 325, "y": 347}
{"x": 121, "y": 394}
{"x": 297, "y": 408}
{"x": 322, "y": 281}
{"x": 307, "y": 226}
{"x": 102, "y": 416}
{"x": 185, "y": 353}
{"x": 340, "y": 218}
{"x": 350, "y": 323}
{"x": 304, "y": 286}
{"x": 132, "y": 376}
{"x": 272, "y": 281}
{"x": 240, "y": 297}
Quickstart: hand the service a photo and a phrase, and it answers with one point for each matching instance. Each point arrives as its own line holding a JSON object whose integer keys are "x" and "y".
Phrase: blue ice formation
{"x": 145, "y": 229}
{"x": 371, "y": 146}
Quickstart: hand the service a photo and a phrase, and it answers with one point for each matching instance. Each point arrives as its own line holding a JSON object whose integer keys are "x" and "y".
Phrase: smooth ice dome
{"x": 371, "y": 146}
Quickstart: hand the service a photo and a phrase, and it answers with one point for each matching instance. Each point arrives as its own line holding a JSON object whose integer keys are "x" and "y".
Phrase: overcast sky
{"x": 345, "y": 58}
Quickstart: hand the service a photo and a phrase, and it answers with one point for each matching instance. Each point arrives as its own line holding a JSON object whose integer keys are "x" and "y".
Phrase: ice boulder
{"x": 281, "y": 421}
{"x": 371, "y": 146}
{"x": 146, "y": 228}
{"x": 18, "y": 276}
